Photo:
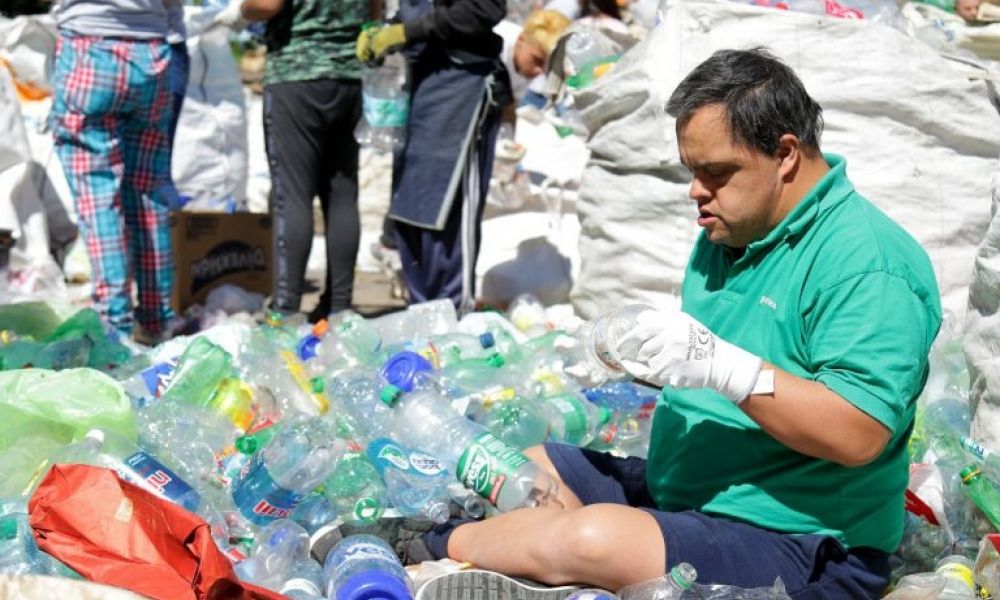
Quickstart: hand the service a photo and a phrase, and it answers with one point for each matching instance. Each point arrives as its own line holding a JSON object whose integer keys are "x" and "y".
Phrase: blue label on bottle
{"x": 158, "y": 376}
{"x": 147, "y": 472}
{"x": 259, "y": 497}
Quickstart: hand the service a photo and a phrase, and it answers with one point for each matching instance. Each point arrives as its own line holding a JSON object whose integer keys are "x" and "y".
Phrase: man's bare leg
{"x": 606, "y": 545}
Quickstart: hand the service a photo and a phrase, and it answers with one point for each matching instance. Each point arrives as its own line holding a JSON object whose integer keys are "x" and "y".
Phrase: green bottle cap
{"x": 969, "y": 473}
{"x": 604, "y": 414}
{"x": 684, "y": 576}
{"x": 318, "y": 385}
{"x": 247, "y": 444}
{"x": 8, "y": 529}
{"x": 496, "y": 360}
{"x": 390, "y": 394}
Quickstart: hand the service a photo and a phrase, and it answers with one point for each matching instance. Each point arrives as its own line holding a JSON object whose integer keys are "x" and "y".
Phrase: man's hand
{"x": 374, "y": 43}
{"x": 670, "y": 347}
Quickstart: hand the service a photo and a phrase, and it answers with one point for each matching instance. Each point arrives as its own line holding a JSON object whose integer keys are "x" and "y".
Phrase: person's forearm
{"x": 260, "y": 10}
{"x": 812, "y": 419}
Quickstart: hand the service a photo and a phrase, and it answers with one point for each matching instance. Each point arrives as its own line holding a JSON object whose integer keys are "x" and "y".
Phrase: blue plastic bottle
{"x": 364, "y": 567}
{"x": 303, "y": 452}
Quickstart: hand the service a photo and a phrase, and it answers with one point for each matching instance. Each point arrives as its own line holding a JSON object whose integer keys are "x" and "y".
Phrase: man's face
{"x": 967, "y": 9}
{"x": 529, "y": 58}
{"x": 737, "y": 188}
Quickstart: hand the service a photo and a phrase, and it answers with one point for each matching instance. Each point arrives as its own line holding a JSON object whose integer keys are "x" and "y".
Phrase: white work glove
{"x": 231, "y": 16}
{"x": 669, "y": 347}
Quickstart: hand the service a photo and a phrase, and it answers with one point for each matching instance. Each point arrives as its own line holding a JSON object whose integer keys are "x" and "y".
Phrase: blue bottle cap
{"x": 487, "y": 340}
{"x": 306, "y": 347}
{"x": 401, "y": 369}
{"x": 373, "y": 585}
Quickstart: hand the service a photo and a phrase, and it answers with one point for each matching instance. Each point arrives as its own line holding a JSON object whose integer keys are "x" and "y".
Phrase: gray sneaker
{"x": 475, "y": 584}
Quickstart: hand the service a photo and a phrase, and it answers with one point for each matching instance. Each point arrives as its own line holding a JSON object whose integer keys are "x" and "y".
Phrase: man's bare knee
{"x": 617, "y": 544}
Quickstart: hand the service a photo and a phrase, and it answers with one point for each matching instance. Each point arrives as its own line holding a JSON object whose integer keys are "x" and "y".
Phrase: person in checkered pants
{"x": 111, "y": 120}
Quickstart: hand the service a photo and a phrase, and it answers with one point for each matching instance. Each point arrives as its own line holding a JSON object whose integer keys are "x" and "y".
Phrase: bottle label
{"x": 974, "y": 448}
{"x": 148, "y": 473}
{"x": 259, "y": 497}
{"x": 157, "y": 377}
{"x": 302, "y": 379}
{"x": 959, "y": 572}
{"x": 300, "y": 584}
{"x": 364, "y": 552}
{"x": 574, "y": 418}
{"x": 367, "y": 510}
{"x": 425, "y": 464}
{"x": 386, "y": 112}
{"x": 390, "y": 453}
{"x": 487, "y": 464}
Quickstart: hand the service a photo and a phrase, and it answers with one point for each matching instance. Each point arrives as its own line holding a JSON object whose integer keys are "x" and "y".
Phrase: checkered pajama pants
{"x": 111, "y": 119}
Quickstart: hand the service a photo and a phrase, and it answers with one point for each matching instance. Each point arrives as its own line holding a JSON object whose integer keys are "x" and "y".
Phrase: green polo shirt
{"x": 836, "y": 293}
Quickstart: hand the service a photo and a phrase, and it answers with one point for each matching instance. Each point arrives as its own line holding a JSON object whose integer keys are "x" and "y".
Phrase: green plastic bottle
{"x": 983, "y": 493}
{"x": 201, "y": 368}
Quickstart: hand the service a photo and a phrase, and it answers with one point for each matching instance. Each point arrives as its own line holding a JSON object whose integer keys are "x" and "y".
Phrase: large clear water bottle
{"x": 385, "y": 102}
{"x": 496, "y": 471}
{"x": 363, "y": 567}
{"x": 303, "y": 452}
{"x": 417, "y": 484}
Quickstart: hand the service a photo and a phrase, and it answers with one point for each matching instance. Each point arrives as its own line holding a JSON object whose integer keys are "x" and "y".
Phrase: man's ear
{"x": 789, "y": 155}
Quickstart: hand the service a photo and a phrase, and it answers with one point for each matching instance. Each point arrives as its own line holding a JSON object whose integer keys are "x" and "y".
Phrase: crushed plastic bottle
{"x": 105, "y": 449}
{"x": 279, "y": 545}
{"x": 303, "y": 452}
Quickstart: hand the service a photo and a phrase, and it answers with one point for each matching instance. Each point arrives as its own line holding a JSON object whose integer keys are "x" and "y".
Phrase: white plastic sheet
{"x": 210, "y": 148}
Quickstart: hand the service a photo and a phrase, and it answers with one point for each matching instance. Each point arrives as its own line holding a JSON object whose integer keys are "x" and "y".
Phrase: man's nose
{"x": 698, "y": 191}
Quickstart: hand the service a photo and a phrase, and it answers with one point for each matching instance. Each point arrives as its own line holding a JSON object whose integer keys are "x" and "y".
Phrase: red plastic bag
{"x": 115, "y": 533}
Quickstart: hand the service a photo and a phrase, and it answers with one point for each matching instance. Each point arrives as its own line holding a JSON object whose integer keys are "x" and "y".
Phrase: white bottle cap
{"x": 95, "y": 434}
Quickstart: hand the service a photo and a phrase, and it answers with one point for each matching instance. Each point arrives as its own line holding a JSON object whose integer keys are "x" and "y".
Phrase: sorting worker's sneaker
{"x": 403, "y": 534}
{"x": 475, "y": 584}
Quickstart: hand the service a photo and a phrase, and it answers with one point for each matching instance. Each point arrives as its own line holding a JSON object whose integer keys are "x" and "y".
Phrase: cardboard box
{"x": 211, "y": 249}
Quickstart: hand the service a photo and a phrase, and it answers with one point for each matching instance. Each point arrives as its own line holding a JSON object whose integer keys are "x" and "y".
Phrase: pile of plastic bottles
{"x": 272, "y": 432}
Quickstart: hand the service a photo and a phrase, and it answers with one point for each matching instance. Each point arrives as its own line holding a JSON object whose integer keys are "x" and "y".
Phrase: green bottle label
{"x": 487, "y": 464}
{"x": 386, "y": 112}
{"x": 573, "y": 415}
{"x": 395, "y": 455}
{"x": 367, "y": 510}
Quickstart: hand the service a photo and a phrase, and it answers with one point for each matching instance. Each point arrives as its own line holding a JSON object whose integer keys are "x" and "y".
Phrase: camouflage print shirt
{"x": 314, "y": 39}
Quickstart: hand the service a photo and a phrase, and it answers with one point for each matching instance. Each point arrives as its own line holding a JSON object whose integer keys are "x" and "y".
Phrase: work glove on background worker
{"x": 675, "y": 349}
{"x": 375, "y": 42}
{"x": 231, "y": 16}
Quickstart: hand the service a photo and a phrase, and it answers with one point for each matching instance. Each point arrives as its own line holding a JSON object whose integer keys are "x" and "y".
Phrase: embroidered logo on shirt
{"x": 769, "y": 303}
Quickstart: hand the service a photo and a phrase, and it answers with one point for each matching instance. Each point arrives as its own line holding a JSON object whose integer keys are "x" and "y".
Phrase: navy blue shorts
{"x": 810, "y": 566}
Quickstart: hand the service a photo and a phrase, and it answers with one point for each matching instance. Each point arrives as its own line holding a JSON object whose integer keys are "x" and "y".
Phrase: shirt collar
{"x": 827, "y": 193}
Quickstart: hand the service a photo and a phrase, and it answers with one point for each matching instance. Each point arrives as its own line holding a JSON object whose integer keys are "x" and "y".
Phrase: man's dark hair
{"x": 762, "y": 97}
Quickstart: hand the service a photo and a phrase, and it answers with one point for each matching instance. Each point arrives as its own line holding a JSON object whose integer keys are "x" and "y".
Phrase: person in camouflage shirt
{"x": 312, "y": 103}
